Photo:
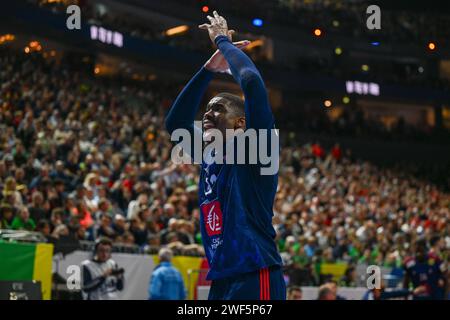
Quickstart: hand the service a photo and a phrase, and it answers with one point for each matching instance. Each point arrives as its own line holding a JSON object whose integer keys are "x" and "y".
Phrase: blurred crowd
{"x": 331, "y": 209}
{"x": 342, "y": 19}
{"x": 82, "y": 159}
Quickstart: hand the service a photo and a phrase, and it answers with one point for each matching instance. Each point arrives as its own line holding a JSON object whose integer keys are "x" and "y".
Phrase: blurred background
{"x": 364, "y": 119}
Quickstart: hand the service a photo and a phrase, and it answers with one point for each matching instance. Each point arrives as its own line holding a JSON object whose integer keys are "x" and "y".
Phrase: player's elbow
{"x": 250, "y": 77}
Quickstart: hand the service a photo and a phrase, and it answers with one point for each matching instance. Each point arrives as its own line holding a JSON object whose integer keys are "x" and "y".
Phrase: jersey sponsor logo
{"x": 210, "y": 182}
{"x": 212, "y": 217}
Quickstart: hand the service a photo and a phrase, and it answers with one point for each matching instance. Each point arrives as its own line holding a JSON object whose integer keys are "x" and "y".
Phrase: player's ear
{"x": 239, "y": 123}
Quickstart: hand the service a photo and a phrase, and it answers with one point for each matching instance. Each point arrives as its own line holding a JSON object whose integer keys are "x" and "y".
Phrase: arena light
{"x": 254, "y": 44}
{"x": 6, "y": 37}
{"x": 346, "y": 100}
{"x": 257, "y": 22}
{"x": 338, "y": 51}
{"x": 176, "y": 30}
{"x": 106, "y": 36}
{"x": 96, "y": 70}
{"x": 205, "y": 9}
{"x": 317, "y": 32}
{"x": 327, "y": 103}
{"x": 362, "y": 88}
{"x": 432, "y": 46}
{"x": 375, "y": 43}
{"x": 335, "y": 23}
{"x": 365, "y": 67}
{"x": 27, "y": 50}
{"x": 420, "y": 69}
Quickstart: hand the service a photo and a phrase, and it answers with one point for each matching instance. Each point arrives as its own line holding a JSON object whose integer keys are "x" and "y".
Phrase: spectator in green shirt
{"x": 23, "y": 221}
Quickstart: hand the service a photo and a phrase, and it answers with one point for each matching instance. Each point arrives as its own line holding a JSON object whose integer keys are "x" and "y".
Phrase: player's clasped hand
{"x": 217, "y": 62}
{"x": 218, "y": 27}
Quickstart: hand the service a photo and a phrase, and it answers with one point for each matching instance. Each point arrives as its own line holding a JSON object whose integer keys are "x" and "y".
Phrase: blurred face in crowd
{"x": 24, "y": 214}
{"x": 120, "y": 222}
{"x": 2, "y": 168}
{"x": 327, "y": 294}
{"x": 7, "y": 214}
{"x": 154, "y": 241}
{"x": 59, "y": 166}
{"x": 59, "y": 187}
{"x": 128, "y": 238}
{"x": 55, "y": 218}
{"x": 421, "y": 253}
{"x": 45, "y": 229}
{"x": 143, "y": 199}
{"x": 38, "y": 199}
{"x": 169, "y": 210}
{"x": 81, "y": 233}
{"x": 106, "y": 220}
{"x": 295, "y": 294}
{"x": 20, "y": 174}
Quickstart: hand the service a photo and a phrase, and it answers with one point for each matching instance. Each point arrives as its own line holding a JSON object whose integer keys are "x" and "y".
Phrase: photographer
{"x": 102, "y": 279}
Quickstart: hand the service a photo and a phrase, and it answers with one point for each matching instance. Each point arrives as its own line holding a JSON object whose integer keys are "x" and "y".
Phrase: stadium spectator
{"x": 329, "y": 206}
{"x": 326, "y": 293}
{"x": 6, "y": 216}
{"x": 22, "y": 221}
{"x": 166, "y": 282}
{"x": 294, "y": 293}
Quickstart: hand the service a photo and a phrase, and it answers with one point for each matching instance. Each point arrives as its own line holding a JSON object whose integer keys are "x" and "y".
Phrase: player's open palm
{"x": 217, "y": 27}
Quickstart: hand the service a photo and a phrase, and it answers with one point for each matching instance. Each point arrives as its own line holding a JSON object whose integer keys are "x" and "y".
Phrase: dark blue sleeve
{"x": 258, "y": 114}
{"x": 183, "y": 111}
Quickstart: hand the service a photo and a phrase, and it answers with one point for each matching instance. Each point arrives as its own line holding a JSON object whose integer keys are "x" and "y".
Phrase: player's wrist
{"x": 219, "y": 38}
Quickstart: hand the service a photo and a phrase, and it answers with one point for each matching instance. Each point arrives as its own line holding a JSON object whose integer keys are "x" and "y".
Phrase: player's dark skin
{"x": 219, "y": 113}
{"x": 221, "y": 116}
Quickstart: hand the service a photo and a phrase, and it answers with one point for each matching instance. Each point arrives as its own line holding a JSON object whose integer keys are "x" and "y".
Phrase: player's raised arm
{"x": 183, "y": 111}
{"x": 186, "y": 105}
{"x": 258, "y": 113}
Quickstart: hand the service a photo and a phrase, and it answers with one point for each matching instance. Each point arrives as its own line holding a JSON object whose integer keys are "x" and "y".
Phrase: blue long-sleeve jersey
{"x": 236, "y": 201}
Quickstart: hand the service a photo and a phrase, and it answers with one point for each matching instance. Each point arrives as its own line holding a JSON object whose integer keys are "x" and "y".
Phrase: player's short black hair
{"x": 236, "y": 103}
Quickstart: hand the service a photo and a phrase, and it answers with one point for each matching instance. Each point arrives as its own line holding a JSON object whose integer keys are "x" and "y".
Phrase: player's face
{"x": 219, "y": 115}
